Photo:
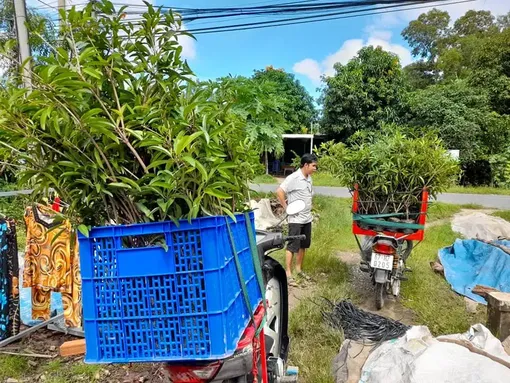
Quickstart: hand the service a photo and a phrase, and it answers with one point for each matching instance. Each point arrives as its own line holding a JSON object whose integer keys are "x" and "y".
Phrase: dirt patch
{"x": 72, "y": 369}
{"x": 365, "y": 292}
{"x": 299, "y": 294}
{"x": 304, "y": 291}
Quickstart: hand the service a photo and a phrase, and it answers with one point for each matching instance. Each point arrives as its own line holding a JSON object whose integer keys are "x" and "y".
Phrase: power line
{"x": 324, "y": 16}
{"x": 47, "y": 5}
{"x": 280, "y": 23}
{"x": 318, "y": 17}
{"x": 318, "y": 9}
{"x": 325, "y": 11}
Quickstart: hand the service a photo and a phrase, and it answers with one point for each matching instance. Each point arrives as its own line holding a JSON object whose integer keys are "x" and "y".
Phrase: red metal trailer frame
{"x": 416, "y": 236}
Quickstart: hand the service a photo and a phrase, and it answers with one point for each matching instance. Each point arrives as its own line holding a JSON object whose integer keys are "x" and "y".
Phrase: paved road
{"x": 15, "y": 192}
{"x": 485, "y": 200}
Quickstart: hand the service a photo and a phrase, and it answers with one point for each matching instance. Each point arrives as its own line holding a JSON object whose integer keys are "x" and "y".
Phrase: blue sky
{"x": 307, "y": 50}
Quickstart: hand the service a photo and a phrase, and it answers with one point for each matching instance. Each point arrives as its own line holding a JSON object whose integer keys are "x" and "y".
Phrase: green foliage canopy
{"x": 116, "y": 125}
{"x": 363, "y": 94}
{"x": 298, "y": 107}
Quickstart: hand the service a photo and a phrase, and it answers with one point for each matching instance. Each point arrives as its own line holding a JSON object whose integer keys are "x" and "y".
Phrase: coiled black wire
{"x": 361, "y": 325}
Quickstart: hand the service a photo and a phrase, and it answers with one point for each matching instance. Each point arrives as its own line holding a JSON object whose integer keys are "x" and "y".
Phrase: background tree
{"x": 297, "y": 105}
{"x": 42, "y": 35}
{"x": 420, "y": 74}
{"x": 470, "y": 93}
{"x": 117, "y": 126}
{"x": 460, "y": 115}
{"x": 258, "y": 107}
{"x": 504, "y": 21}
{"x": 474, "y": 22}
{"x": 427, "y": 34}
{"x": 363, "y": 94}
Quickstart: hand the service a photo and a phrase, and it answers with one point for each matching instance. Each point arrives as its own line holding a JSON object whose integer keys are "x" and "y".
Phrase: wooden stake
{"x": 483, "y": 291}
{"x": 73, "y": 347}
{"x": 29, "y": 355}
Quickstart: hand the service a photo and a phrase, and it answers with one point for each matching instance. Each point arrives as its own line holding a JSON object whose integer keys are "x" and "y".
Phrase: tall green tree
{"x": 420, "y": 74}
{"x": 363, "y": 94}
{"x": 463, "y": 118}
{"x": 491, "y": 69}
{"x": 298, "y": 105}
{"x": 427, "y": 34}
{"x": 258, "y": 107}
{"x": 503, "y": 21}
{"x": 474, "y": 22}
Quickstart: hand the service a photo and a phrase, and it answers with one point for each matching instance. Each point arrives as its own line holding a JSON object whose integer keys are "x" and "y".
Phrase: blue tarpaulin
{"x": 470, "y": 262}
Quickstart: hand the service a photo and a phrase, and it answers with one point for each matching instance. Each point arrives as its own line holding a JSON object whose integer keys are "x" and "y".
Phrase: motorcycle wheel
{"x": 380, "y": 291}
{"x": 274, "y": 314}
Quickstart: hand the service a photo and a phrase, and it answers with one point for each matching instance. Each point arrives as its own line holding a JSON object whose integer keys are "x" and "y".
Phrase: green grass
{"x": 87, "y": 370}
{"x": 478, "y": 190}
{"x": 12, "y": 367}
{"x": 325, "y": 179}
{"x": 57, "y": 371}
{"x": 314, "y": 344}
{"x": 265, "y": 179}
{"x": 54, "y": 371}
{"x": 505, "y": 214}
{"x": 428, "y": 294}
{"x": 439, "y": 210}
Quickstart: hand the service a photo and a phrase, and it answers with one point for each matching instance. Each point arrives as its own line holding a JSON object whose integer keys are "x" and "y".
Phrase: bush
{"x": 331, "y": 156}
{"x": 116, "y": 125}
{"x": 391, "y": 169}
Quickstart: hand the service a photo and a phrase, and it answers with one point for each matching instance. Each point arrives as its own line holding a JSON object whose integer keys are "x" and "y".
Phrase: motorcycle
{"x": 384, "y": 257}
{"x": 239, "y": 367}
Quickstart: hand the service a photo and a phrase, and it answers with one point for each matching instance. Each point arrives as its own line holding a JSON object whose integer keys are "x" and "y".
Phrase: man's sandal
{"x": 292, "y": 282}
{"x": 305, "y": 276}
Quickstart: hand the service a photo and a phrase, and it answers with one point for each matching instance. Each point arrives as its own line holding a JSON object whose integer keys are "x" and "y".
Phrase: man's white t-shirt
{"x": 299, "y": 187}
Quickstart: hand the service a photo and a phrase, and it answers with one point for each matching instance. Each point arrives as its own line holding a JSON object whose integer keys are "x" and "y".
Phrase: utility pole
{"x": 22, "y": 33}
{"x": 61, "y": 6}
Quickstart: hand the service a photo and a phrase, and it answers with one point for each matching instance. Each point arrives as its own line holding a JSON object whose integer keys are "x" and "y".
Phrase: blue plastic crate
{"x": 151, "y": 304}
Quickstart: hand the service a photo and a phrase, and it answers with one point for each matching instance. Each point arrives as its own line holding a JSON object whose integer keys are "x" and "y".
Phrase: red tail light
{"x": 384, "y": 247}
{"x": 192, "y": 374}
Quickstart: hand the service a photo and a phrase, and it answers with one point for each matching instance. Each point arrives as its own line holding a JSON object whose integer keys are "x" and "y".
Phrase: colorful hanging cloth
{"x": 52, "y": 264}
{"x": 13, "y": 272}
{"x": 4, "y": 281}
{"x": 9, "y": 275}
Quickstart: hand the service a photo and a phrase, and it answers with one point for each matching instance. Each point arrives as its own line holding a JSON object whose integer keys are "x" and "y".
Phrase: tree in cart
{"x": 392, "y": 175}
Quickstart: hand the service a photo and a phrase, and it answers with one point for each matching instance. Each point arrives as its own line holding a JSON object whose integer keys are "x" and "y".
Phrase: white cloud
{"x": 189, "y": 50}
{"x": 309, "y": 68}
{"x": 313, "y": 69}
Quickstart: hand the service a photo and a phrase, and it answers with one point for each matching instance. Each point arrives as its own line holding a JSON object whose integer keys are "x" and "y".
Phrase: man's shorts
{"x": 299, "y": 229}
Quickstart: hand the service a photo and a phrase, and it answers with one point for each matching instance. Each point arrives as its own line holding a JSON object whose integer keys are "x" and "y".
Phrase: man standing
{"x": 298, "y": 186}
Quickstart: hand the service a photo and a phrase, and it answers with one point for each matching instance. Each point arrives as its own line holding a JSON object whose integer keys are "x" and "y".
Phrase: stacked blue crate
{"x": 178, "y": 301}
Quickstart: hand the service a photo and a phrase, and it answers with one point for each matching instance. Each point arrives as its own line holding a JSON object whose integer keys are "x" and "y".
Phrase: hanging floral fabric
{"x": 9, "y": 274}
{"x": 13, "y": 274}
{"x": 4, "y": 281}
{"x": 72, "y": 301}
{"x": 51, "y": 260}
